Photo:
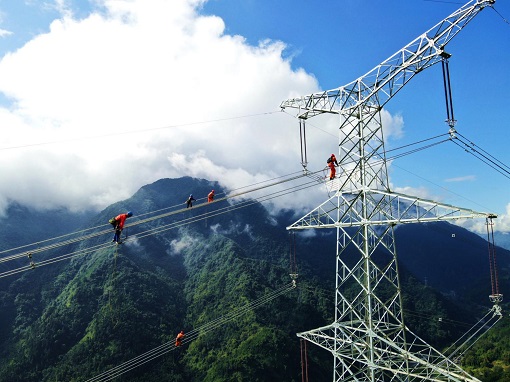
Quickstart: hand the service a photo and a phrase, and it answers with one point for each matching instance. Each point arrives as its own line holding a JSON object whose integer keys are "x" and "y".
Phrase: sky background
{"x": 98, "y": 98}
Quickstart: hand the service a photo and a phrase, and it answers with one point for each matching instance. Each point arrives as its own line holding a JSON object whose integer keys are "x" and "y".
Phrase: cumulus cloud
{"x": 393, "y": 125}
{"x": 98, "y": 104}
{"x": 135, "y": 91}
{"x": 102, "y": 105}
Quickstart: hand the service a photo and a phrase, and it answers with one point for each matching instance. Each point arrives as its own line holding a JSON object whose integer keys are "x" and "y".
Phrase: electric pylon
{"x": 368, "y": 339}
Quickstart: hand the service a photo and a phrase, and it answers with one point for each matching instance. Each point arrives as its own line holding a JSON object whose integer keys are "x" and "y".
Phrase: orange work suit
{"x": 178, "y": 339}
{"x": 332, "y": 172}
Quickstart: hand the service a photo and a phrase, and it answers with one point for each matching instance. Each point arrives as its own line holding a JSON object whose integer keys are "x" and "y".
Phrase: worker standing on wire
{"x": 210, "y": 196}
{"x": 179, "y": 338}
{"x": 119, "y": 225}
{"x": 331, "y": 164}
{"x": 189, "y": 202}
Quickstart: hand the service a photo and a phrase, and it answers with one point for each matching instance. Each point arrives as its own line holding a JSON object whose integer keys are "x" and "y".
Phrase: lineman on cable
{"x": 119, "y": 225}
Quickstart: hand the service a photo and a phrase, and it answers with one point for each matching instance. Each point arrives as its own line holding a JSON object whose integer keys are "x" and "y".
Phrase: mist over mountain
{"x": 185, "y": 269}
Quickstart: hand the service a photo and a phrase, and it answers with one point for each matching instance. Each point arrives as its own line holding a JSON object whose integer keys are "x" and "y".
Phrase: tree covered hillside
{"x": 204, "y": 274}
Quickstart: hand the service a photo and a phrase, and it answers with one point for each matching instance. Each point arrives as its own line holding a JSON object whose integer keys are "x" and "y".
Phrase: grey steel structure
{"x": 369, "y": 339}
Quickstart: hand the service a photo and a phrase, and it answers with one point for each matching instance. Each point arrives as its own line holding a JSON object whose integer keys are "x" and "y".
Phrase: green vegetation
{"x": 74, "y": 320}
{"x": 489, "y": 359}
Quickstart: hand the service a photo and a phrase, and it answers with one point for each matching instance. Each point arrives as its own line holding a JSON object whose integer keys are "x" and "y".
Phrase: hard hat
{"x": 129, "y": 214}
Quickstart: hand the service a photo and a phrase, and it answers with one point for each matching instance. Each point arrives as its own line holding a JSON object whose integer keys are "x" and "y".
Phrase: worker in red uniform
{"x": 119, "y": 225}
{"x": 331, "y": 163}
{"x": 210, "y": 196}
{"x": 332, "y": 170}
{"x": 179, "y": 338}
{"x": 332, "y": 159}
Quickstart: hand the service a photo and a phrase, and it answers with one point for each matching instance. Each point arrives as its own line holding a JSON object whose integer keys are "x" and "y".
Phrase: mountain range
{"x": 220, "y": 274}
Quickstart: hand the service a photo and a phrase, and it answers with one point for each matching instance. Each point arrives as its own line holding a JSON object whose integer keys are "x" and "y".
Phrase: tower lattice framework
{"x": 368, "y": 339}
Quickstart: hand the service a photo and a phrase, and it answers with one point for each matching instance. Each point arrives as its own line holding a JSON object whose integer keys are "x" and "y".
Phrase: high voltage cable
{"x": 479, "y": 153}
{"x": 417, "y": 142}
{"x": 474, "y": 147}
{"x": 500, "y": 15}
{"x": 416, "y": 150}
{"x": 138, "y": 131}
{"x": 190, "y": 336}
{"x": 13, "y": 257}
{"x": 54, "y": 260}
{"x": 164, "y": 228}
{"x": 231, "y": 195}
{"x": 227, "y": 209}
{"x": 483, "y": 325}
{"x": 148, "y": 213}
{"x": 483, "y": 159}
{"x": 142, "y": 221}
{"x": 477, "y": 338}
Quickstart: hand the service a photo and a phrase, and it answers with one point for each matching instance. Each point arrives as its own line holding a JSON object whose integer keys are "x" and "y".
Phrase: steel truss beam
{"x": 382, "y": 208}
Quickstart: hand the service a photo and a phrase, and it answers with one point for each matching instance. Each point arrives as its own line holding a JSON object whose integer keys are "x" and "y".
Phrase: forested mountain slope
{"x": 75, "y": 319}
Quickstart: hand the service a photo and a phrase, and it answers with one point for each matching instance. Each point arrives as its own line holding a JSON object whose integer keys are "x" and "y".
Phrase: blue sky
{"x": 340, "y": 41}
{"x": 131, "y": 76}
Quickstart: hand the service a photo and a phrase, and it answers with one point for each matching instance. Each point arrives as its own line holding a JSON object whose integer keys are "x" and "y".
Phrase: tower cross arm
{"x": 384, "y": 208}
{"x": 381, "y": 83}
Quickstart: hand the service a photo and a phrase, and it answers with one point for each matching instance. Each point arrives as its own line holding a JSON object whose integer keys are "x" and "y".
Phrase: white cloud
{"x": 501, "y": 223}
{"x": 122, "y": 90}
{"x": 420, "y": 192}
{"x": 142, "y": 90}
{"x": 233, "y": 228}
{"x": 184, "y": 241}
{"x": 393, "y": 125}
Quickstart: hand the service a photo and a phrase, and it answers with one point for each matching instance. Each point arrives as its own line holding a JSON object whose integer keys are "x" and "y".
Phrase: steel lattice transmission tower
{"x": 368, "y": 339}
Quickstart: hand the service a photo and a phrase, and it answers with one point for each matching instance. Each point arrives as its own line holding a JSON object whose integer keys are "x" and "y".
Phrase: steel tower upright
{"x": 368, "y": 339}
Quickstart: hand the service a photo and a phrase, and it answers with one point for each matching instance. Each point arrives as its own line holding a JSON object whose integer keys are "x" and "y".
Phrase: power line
{"x": 239, "y": 193}
{"x": 500, "y": 15}
{"x": 486, "y": 154}
{"x": 261, "y": 185}
{"x": 190, "y": 336}
{"x": 233, "y": 192}
{"x": 156, "y": 230}
{"x": 487, "y": 159}
{"x": 135, "y": 131}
